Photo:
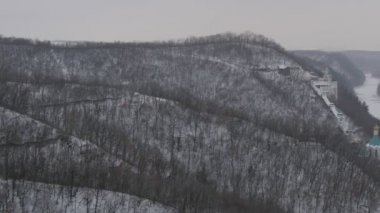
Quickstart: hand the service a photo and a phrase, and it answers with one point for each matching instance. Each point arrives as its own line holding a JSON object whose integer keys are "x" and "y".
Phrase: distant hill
{"x": 339, "y": 62}
{"x": 368, "y": 61}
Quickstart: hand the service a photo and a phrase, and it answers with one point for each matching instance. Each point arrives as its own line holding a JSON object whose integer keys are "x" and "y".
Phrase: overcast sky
{"x": 295, "y": 24}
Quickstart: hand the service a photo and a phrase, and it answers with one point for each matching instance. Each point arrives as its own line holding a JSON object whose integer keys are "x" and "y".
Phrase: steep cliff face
{"x": 223, "y": 124}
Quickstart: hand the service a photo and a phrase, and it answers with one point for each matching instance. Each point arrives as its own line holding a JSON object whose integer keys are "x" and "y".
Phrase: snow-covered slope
{"x": 217, "y": 124}
{"x": 25, "y": 196}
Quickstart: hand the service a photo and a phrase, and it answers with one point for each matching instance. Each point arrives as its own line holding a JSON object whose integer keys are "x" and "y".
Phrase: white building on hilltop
{"x": 326, "y": 86}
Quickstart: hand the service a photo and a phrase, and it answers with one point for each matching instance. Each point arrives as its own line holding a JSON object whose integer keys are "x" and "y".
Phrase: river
{"x": 367, "y": 93}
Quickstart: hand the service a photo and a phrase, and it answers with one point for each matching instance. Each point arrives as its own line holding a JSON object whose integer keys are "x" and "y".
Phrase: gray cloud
{"x": 296, "y": 24}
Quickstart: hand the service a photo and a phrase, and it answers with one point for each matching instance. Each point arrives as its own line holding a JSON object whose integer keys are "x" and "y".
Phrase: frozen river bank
{"x": 367, "y": 93}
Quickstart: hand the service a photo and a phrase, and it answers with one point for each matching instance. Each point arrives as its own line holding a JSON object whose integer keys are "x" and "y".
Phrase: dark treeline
{"x": 232, "y": 38}
{"x": 350, "y": 104}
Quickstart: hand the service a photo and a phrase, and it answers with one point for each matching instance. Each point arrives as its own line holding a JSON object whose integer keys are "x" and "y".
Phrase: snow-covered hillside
{"x": 25, "y": 196}
{"x": 223, "y": 123}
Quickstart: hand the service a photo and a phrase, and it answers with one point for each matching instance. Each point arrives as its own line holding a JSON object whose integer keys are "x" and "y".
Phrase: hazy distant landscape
{"x": 368, "y": 61}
